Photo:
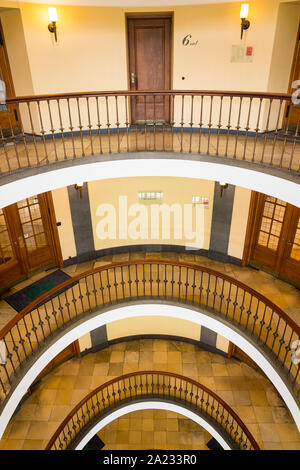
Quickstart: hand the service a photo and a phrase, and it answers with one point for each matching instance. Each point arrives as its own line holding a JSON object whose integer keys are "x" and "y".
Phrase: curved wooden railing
{"x": 147, "y": 385}
{"x": 237, "y": 125}
{"x": 252, "y": 313}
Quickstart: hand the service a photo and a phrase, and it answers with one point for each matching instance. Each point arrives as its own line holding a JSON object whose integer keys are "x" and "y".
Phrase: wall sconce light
{"x": 53, "y": 19}
{"x": 244, "y": 15}
{"x": 79, "y": 187}
{"x": 222, "y": 187}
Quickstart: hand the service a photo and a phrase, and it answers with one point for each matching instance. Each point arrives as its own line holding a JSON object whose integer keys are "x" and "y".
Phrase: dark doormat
{"x": 94, "y": 444}
{"x": 25, "y": 296}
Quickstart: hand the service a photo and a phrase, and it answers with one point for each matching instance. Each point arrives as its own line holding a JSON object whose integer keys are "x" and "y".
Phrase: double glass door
{"x": 28, "y": 238}
{"x": 276, "y": 237}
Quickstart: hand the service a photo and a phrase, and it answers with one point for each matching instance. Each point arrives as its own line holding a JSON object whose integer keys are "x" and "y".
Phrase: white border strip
{"x": 127, "y": 3}
{"x": 134, "y": 311}
{"x": 152, "y": 405}
{"x": 125, "y": 168}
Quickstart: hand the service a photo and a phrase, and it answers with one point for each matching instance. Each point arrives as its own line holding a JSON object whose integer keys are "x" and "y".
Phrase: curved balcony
{"x": 112, "y": 292}
{"x": 202, "y": 405}
{"x": 233, "y": 135}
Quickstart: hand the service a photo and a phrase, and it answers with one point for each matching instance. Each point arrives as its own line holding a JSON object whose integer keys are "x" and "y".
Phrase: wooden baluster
{"x": 71, "y": 127}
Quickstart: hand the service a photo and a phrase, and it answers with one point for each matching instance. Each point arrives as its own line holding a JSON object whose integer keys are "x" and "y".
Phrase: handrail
{"x": 52, "y": 96}
{"x": 232, "y": 124}
{"x": 153, "y": 384}
{"x": 187, "y": 283}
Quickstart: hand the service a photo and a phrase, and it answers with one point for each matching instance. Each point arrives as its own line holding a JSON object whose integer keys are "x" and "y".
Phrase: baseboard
{"x": 179, "y": 249}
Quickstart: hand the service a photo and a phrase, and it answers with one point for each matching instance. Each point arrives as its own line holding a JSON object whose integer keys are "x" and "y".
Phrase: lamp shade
{"x": 244, "y": 10}
{"x": 52, "y": 12}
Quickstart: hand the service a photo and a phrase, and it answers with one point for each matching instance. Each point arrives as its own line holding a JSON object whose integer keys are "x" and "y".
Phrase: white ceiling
{"x": 127, "y": 3}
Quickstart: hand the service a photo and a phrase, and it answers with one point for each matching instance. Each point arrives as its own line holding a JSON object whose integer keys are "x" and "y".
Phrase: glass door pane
{"x": 271, "y": 223}
{"x": 35, "y": 232}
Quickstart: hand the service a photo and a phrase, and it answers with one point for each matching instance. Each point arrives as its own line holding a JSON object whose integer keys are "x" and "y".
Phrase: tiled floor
{"x": 250, "y": 394}
{"x": 154, "y": 429}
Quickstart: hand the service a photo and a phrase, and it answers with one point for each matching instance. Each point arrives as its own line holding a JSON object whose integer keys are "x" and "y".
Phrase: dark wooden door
{"x": 9, "y": 118}
{"x": 275, "y": 237}
{"x": 28, "y": 238}
{"x": 149, "y": 42}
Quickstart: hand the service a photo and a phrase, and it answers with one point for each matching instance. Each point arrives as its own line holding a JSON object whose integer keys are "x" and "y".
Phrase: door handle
{"x": 132, "y": 78}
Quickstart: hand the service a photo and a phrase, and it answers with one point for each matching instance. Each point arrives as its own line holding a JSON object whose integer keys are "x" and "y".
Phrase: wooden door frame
{"x": 289, "y": 90}
{"x": 252, "y": 222}
{"x": 149, "y": 16}
{"x": 10, "y": 77}
{"x": 15, "y": 268}
{"x": 53, "y": 229}
{"x": 287, "y": 263}
{"x": 11, "y": 82}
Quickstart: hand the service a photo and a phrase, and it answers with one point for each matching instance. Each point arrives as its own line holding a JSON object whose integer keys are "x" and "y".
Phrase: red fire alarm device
{"x": 249, "y": 51}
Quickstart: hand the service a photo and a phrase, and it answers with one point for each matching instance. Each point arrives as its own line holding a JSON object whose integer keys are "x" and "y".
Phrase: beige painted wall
{"x": 85, "y": 342}
{"x": 153, "y": 325}
{"x": 91, "y": 53}
{"x": 175, "y": 190}
{"x": 108, "y": 191}
{"x": 16, "y": 49}
{"x": 222, "y": 343}
{"x": 63, "y": 215}
{"x": 217, "y": 28}
{"x": 284, "y": 47}
{"x": 93, "y": 40}
{"x": 239, "y": 222}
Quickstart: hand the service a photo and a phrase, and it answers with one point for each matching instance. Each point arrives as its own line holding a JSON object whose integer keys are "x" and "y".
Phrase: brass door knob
{"x": 132, "y": 78}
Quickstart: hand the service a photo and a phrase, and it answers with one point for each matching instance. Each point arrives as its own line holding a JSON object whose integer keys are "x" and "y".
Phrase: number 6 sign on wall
{"x": 186, "y": 40}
